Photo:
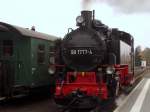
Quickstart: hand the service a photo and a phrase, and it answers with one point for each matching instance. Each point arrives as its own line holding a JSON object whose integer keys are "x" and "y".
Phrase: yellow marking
{"x": 83, "y": 73}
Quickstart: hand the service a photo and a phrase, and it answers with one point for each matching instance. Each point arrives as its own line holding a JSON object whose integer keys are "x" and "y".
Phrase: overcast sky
{"x": 56, "y": 16}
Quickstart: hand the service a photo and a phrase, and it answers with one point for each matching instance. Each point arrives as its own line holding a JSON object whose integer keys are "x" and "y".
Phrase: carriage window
{"x": 52, "y": 60}
{"x": 7, "y": 47}
{"x": 41, "y": 54}
{"x": 51, "y": 54}
{"x": 51, "y": 49}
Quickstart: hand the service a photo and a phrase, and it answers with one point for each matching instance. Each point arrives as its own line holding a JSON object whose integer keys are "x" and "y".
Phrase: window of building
{"x": 7, "y": 47}
{"x": 41, "y": 54}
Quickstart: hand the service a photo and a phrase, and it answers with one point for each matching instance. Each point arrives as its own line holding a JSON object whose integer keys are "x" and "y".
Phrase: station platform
{"x": 138, "y": 100}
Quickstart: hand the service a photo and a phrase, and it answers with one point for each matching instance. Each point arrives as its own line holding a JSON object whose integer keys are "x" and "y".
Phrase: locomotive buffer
{"x": 138, "y": 100}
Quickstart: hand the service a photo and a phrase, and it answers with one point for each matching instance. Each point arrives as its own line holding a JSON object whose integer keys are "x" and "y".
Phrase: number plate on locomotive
{"x": 81, "y": 52}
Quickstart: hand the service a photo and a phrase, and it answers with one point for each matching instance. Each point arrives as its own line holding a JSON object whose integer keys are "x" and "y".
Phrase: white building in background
{"x": 143, "y": 63}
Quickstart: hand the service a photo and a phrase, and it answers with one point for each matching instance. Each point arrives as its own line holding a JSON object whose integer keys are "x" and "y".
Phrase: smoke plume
{"x": 125, "y": 6}
{"x": 87, "y": 4}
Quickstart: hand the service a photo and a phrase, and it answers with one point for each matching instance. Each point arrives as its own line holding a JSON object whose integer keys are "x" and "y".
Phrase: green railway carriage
{"x": 24, "y": 56}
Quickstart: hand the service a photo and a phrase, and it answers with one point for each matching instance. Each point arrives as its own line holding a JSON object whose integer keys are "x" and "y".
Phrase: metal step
{"x": 2, "y": 98}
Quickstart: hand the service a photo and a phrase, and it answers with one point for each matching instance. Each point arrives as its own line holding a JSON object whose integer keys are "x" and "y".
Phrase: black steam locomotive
{"x": 92, "y": 63}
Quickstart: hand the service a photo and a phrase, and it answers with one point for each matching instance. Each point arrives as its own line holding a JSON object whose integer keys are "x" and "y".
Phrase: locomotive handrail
{"x": 69, "y": 30}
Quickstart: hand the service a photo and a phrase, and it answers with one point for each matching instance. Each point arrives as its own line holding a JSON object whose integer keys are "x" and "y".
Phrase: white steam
{"x": 125, "y": 6}
{"x": 87, "y": 4}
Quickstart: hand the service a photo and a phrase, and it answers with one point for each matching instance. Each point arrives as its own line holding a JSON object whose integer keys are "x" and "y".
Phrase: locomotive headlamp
{"x": 79, "y": 19}
{"x": 110, "y": 70}
{"x": 51, "y": 70}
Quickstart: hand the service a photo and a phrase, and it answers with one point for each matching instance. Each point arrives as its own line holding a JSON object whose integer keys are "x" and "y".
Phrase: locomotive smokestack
{"x": 87, "y": 15}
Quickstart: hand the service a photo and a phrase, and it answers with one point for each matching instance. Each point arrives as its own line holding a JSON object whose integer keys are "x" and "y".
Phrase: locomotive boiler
{"x": 92, "y": 63}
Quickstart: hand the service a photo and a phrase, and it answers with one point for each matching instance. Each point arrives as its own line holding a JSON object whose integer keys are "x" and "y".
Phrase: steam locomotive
{"x": 92, "y": 63}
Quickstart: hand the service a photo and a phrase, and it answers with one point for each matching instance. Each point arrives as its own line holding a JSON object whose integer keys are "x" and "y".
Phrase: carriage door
{"x": 1, "y": 75}
{"x": 6, "y": 67}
